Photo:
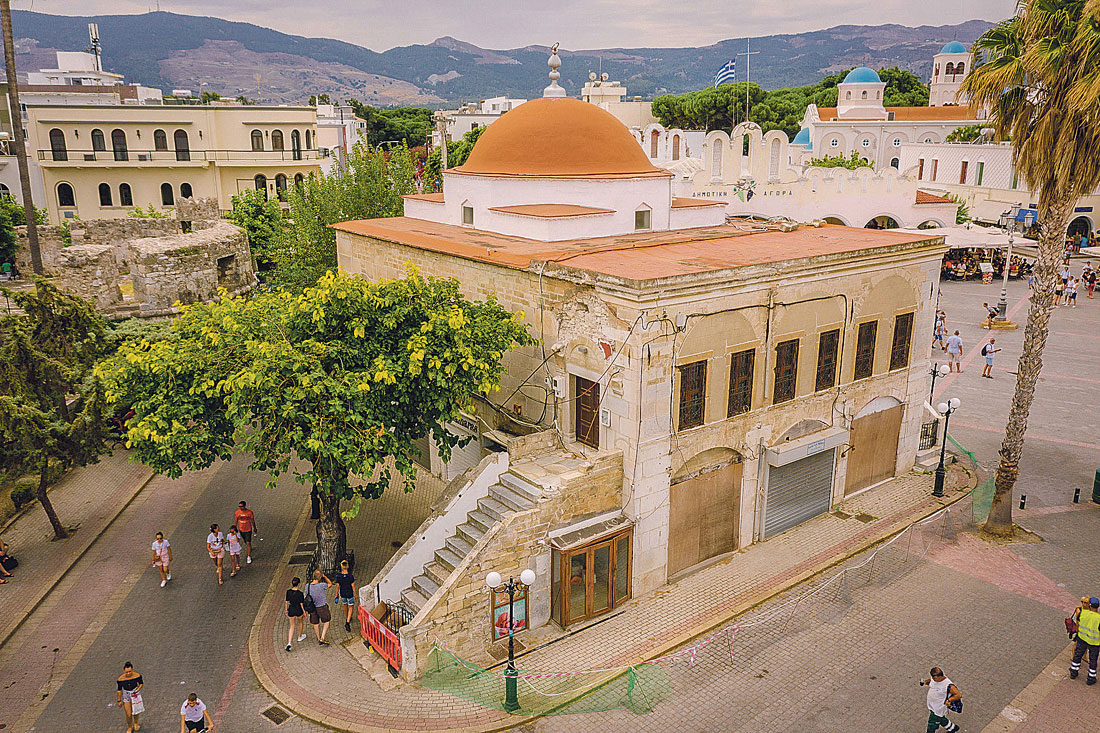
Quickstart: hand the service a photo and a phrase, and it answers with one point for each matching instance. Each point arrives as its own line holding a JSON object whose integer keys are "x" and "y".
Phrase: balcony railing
{"x": 165, "y": 156}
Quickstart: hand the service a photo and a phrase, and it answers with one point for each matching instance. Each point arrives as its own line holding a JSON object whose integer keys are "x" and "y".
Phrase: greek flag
{"x": 727, "y": 73}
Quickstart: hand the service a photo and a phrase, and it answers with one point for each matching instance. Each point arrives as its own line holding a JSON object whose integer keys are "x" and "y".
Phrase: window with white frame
{"x": 897, "y": 142}
{"x": 834, "y": 143}
{"x": 468, "y": 215}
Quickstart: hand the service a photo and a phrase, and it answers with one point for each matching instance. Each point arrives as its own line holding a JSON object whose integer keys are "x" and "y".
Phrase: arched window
{"x": 261, "y": 183}
{"x": 183, "y": 150}
{"x": 774, "y": 160}
{"x": 257, "y": 140}
{"x": 299, "y": 179}
{"x": 937, "y": 71}
{"x": 105, "y": 195}
{"x": 185, "y": 191}
{"x": 895, "y": 163}
{"x": 864, "y": 95}
{"x": 716, "y": 159}
{"x": 309, "y": 140}
{"x": 118, "y": 144}
{"x": 167, "y": 197}
{"x": 949, "y": 69}
{"x": 160, "y": 140}
{"x": 296, "y": 144}
{"x": 848, "y": 94}
{"x": 960, "y": 68}
{"x": 280, "y": 186}
{"x": 125, "y": 195}
{"x": 65, "y": 196}
{"x": 276, "y": 139}
{"x": 653, "y": 137}
{"x": 57, "y": 145}
{"x": 675, "y": 147}
{"x": 98, "y": 141}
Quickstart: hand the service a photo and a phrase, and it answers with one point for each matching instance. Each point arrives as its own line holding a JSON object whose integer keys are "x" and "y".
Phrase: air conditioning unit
{"x": 89, "y": 156}
{"x": 144, "y": 156}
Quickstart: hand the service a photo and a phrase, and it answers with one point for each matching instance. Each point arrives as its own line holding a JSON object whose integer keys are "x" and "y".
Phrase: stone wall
{"x": 90, "y": 269}
{"x": 189, "y": 268}
{"x": 459, "y": 611}
{"x": 198, "y": 210}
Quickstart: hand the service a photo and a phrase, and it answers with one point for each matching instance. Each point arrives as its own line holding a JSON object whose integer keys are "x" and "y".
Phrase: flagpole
{"x": 748, "y": 54}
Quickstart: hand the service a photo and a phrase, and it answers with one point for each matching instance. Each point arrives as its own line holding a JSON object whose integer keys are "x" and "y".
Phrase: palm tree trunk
{"x": 59, "y": 532}
{"x": 17, "y": 138}
{"x": 1054, "y": 212}
{"x": 331, "y": 535}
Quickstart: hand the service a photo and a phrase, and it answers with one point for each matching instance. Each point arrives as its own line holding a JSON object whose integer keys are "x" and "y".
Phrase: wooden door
{"x": 593, "y": 579}
{"x": 587, "y": 396}
{"x": 873, "y": 456}
{"x": 704, "y": 511}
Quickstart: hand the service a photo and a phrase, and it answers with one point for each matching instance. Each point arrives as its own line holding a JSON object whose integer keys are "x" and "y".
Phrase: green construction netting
{"x": 638, "y": 689}
{"x": 982, "y": 499}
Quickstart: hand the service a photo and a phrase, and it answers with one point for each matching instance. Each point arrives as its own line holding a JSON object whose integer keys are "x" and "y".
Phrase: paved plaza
{"x": 989, "y": 613}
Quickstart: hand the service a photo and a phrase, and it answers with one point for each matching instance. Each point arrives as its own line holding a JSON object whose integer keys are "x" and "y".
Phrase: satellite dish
{"x": 592, "y": 76}
{"x": 604, "y": 76}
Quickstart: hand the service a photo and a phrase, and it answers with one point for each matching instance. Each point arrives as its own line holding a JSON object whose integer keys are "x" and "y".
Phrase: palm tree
{"x": 1039, "y": 75}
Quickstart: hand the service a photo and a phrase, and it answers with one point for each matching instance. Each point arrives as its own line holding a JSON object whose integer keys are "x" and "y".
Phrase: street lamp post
{"x": 945, "y": 409}
{"x": 938, "y": 370}
{"x": 494, "y": 581}
{"x": 1010, "y": 227}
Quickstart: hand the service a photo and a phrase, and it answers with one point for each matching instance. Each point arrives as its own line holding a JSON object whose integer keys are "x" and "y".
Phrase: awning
{"x": 963, "y": 237}
{"x": 586, "y": 531}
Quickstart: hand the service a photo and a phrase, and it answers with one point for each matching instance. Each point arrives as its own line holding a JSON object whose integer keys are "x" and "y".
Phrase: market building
{"x": 698, "y": 386}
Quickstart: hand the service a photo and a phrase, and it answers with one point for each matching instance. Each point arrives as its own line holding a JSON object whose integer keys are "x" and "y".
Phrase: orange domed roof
{"x": 558, "y": 137}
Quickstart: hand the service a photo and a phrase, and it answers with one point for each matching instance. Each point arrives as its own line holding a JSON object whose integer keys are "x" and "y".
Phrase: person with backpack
{"x": 942, "y": 697}
{"x": 316, "y": 605}
{"x": 988, "y": 351}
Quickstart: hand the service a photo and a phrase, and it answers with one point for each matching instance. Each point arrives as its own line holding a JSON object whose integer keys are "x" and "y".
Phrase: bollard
{"x": 1096, "y": 487}
{"x": 1023, "y": 500}
{"x": 1077, "y": 496}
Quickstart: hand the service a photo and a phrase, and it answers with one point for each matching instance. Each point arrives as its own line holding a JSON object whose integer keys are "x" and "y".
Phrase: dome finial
{"x": 553, "y": 62}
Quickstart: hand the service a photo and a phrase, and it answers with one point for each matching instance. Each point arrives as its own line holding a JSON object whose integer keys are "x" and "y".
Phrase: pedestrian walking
{"x": 990, "y": 314}
{"x": 194, "y": 716}
{"x": 7, "y": 562}
{"x": 319, "y": 616}
{"x": 1059, "y": 291}
{"x": 939, "y": 331}
{"x": 346, "y": 597}
{"x": 1088, "y": 640}
{"x": 129, "y": 696}
{"x": 162, "y": 558}
{"x": 295, "y": 612}
{"x": 233, "y": 542}
{"x": 1090, "y": 282}
{"x": 954, "y": 352}
{"x": 1075, "y": 618}
{"x": 988, "y": 351}
{"x": 1071, "y": 292}
{"x": 246, "y": 525}
{"x": 215, "y": 545}
{"x": 941, "y": 693}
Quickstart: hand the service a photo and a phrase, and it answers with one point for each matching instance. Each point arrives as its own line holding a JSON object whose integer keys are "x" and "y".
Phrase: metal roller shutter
{"x": 798, "y": 491}
{"x": 467, "y": 456}
{"x": 425, "y": 457}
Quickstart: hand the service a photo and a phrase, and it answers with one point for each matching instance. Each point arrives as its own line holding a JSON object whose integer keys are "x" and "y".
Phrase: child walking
{"x": 233, "y": 539}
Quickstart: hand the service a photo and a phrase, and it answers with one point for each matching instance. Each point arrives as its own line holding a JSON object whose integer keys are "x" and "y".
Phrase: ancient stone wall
{"x": 92, "y": 271}
{"x": 198, "y": 210}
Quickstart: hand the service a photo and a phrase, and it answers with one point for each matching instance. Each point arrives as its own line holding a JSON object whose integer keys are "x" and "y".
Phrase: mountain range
{"x": 175, "y": 51}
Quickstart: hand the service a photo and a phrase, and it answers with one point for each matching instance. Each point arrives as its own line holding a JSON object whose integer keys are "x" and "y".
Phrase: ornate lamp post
{"x": 495, "y": 583}
{"x": 938, "y": 370}
{"x": 945, "y": 409}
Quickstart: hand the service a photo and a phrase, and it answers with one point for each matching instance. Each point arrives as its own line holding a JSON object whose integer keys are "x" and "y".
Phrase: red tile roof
{"x": 639, "y": 256}
{"x": 435, "y": 198}
{"x": 686, "y": 203}
{"x": 923, "y": 197}
{"x": 910, "y": 114}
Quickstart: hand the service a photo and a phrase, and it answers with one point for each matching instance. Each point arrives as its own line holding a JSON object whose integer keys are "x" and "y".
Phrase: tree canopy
{"x": 778, "y": 109}
{"x": 51, "y": 409}
{"x": 370, "y": 185}
{"x": 457, "y": 153}
{"x": 408, "y": 125}
{"x": 261, "y": 218}
{"x": 343, "y": 377}
{"x": 852, "y": 162}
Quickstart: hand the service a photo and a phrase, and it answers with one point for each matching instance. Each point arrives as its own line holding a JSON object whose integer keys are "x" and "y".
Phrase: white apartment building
{"x": 983, "y": 175}
{"x": 338, "y": 129}
{"x": 473, "y": 115}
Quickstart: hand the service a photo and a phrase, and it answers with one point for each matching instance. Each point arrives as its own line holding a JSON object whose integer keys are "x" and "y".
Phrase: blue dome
{"x": 802, "y": 138}
{"x": 862, "y": 75}
{"x": 953, "y": 47}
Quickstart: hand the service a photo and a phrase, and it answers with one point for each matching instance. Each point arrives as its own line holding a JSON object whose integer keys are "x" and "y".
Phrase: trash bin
{"x": 1096, "y": 487}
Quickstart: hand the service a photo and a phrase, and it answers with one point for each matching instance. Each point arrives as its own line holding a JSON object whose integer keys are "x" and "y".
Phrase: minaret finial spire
{"x": 554, "y": 62}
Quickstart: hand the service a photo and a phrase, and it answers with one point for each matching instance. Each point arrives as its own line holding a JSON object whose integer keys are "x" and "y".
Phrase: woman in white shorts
{"x": 162, "y": 557}
{"x": 234, "y": 541}
{"x": 215, "y": 545}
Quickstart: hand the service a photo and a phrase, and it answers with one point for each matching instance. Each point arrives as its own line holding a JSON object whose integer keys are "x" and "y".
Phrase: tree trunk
{"x": 59, "y": 532}
{"x": 17, "y": 139}
{"x": 1054, "y": 211}
{"x": 331, "y": 535}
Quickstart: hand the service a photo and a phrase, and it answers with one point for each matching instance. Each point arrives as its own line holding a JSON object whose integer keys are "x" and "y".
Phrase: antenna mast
{"x": 93, "y": 38}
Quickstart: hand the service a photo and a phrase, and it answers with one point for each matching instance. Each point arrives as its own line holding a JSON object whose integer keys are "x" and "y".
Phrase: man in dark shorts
{"x": 246, "y": 525}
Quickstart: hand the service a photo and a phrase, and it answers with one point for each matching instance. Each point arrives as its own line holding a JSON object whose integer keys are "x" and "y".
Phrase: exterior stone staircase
{"x": 511, "y": 494}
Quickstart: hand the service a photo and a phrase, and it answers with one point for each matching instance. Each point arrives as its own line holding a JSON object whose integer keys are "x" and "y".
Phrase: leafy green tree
{"x": 208, "y": 97}
{"x": 903, "y": 88}
{"x": 965, "y": 134}
{"x": 261, "y": 218}
{"x": 241, "y": 99}
{"x": 369, "y": 186}
{"x": 852, "y": 162}
{"x": 457, "y": 153}
{"x": 342, "y": 377}
{"x": 316, "y": 99}
{"x": 1039, "y": 75}
{"x": 8, "y": 242}
{"x": 18, "y": 214}
{"x": 410, "y": 125}
{"x": 51, "y": 408}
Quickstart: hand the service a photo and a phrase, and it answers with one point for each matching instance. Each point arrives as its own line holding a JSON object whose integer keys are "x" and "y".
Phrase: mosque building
{"x": 698, "y": 385}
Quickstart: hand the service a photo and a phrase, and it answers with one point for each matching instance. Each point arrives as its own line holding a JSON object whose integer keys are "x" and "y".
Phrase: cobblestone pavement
{"x": 86, "y": 498}
{"x": 335, "y": 690}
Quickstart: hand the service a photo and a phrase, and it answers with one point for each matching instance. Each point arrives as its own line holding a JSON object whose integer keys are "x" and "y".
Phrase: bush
{"x": 24, "y": 491}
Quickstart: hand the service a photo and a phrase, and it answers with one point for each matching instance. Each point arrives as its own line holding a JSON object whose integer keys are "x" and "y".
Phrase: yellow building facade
{"x": 99, "y": 162}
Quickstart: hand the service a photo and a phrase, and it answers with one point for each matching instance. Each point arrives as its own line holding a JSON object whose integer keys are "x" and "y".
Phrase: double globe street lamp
{"x": 945, "y": 409}
{"x": 496, "y": 583}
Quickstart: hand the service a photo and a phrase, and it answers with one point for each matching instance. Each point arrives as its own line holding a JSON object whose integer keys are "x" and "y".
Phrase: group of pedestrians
{"x": 193, "y": 713}
{"x": 314, "y": 601}
{"x": 238, "y": 539}
{"x": 1084, "y": 628}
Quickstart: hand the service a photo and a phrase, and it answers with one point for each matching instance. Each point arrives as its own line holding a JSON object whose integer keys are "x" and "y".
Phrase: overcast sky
{"x": 577, "y": 24}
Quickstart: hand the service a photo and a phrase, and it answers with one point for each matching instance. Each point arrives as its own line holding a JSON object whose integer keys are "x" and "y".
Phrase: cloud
{"x": 577, "y": 24}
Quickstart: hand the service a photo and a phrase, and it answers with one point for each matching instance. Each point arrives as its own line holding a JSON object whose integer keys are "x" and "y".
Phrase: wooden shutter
{"x": 903, "y": 335}
{"x": 865, "y": 350}
{"x": 741, "y": 369}
{"x": 693, "y": 391}
{"x": 828, "y": 345}
{"x": 587, "y": 426}
{"x": 786, "y": 371}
